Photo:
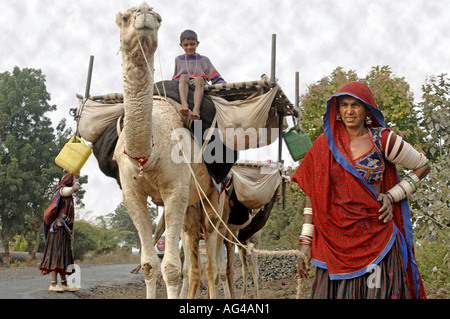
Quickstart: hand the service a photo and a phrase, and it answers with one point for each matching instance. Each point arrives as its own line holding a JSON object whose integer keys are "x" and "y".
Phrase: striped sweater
{"x": 195, "y": 66}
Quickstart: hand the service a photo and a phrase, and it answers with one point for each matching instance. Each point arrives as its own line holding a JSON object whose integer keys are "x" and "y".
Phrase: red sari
{"x": 349, "y": 239}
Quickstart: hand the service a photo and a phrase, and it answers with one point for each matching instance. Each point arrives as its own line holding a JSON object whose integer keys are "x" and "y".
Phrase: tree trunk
{"x": 5, "y": 253}
{"x": 36, "y": 245}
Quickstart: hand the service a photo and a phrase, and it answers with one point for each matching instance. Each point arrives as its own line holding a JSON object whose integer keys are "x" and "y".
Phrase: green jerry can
{"x": 73, "y": 155}
{"x": 297, "y": 141}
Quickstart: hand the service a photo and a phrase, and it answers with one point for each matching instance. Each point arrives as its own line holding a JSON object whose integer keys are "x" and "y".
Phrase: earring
{"x": 338, "y": 117}
{"x": 368, "y": 120}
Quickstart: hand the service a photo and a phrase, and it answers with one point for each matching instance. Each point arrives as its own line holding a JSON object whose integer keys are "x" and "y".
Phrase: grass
{"x": 433, "y": 260}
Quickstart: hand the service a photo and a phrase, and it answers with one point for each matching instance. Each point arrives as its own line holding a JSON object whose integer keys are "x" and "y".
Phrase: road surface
{"x": 29, "y": 283}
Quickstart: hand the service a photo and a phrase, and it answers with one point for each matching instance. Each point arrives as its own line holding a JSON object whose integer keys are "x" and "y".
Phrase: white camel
{"x": 143, "y": 154}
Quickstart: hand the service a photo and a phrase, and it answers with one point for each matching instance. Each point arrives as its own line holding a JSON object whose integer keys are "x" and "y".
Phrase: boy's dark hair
{"x": 188, "y": 35}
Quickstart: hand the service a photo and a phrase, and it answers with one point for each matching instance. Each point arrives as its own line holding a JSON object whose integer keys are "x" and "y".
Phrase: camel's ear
{"x": 119, "y": 19}
{"x": 158, "y": 17}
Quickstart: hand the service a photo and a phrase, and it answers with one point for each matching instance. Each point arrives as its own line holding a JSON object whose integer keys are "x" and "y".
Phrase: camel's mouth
{"x": 145, "y": 22}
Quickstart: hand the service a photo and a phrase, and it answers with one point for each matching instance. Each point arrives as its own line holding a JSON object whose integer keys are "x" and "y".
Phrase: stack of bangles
{"x": 307, "y": 230}
{"x": 403, "y": 189}
{"x": 404, "y": 154}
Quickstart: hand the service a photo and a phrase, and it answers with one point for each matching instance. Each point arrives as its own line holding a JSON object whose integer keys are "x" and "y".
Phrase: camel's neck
{"x": 138, "y": 105}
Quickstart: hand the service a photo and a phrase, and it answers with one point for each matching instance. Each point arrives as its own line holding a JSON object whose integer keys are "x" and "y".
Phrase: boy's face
{"x": 189, "y": 46}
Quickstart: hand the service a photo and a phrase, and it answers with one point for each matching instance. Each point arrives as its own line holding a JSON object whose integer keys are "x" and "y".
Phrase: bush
{"x": 434, "y": 263}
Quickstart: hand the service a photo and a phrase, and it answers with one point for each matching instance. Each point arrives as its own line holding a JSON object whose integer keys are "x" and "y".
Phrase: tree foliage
{"x": 431, "y": 204}
{"x": 121, "y": 223}
{"x": 108, "y": 234}
{"x": 28, "y": 146}
{"x": 392, "y": 93}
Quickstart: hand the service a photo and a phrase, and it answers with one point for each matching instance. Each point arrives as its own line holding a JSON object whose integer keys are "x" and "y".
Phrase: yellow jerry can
{"x": 73, "y": 155}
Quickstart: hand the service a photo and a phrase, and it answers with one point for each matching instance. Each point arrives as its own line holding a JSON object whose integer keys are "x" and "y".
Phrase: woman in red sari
{"x": 58, "y": 234}
{"x": 357, "y": 227}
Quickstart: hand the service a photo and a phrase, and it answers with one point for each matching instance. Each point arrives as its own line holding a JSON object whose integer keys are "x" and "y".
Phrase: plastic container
{"x": 297, "y": 142}
{"x": 73, "y": 155}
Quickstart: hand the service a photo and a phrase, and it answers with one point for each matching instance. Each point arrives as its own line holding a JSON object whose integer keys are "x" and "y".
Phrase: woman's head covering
{"x": 66, "y": 180}
{"x": 361, "y": 92}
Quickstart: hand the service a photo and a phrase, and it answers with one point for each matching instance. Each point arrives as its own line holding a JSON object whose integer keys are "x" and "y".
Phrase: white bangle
{"x": 405, "y": 188}
{"x": 307, "y": 211}
{"x": 307, "y": 230}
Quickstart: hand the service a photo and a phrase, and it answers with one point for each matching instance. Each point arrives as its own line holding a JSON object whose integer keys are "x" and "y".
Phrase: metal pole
{"x": 280, "y": 152}
{"x": 89, "y": 76}
{"x": 297, "y": 101}
{"x": 274, "y": 51}
{"x": 86, "y": 93}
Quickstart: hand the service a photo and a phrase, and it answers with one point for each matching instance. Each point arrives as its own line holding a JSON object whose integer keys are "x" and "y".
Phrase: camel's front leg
{"x": 255, "y": 274}
{"x": 243, "y": 257}
{"x": 186, "y": 265}
{"x": 211, "y": 241}
{"x": 192, "y": 223}
{"x": 222, "y": 265}
{"x": 221, "y": 244}
{"x": 230, "y": 259}
{"x": 175, "y": 204}
{"x": 254, "y": 259}
{"x": 136, "y": 205}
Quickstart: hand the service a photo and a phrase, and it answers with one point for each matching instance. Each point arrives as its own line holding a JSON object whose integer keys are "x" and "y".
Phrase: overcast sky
{"x": 313, "y": 38}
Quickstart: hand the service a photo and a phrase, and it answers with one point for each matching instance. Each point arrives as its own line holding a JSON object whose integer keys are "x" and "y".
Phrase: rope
{"x": 250, "y": 248}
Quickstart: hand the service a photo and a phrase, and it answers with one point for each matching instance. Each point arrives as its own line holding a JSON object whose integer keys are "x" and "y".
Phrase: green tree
{"x": 87, "y": 238}
{"x": 392, "y": 94}
{"x": 396, "y": 101}
{"x": 120, "y": 222}
{"x": 430, "y": 204}
{"x": 28, "y": 146}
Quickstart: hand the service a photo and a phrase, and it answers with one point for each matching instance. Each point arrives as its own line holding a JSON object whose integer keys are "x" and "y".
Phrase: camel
{"x": 196, "y": 227}
{"x": 247, "y": 233}
{"x": 254, "y": 239}
{"x": 143, "y": 155}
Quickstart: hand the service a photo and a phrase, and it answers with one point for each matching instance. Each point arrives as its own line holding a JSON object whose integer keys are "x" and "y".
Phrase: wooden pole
{"x": 280, "y": 111}
{"x": 274, "y": 52}
{"x": 297, "y": 101}
{"x": 89, "y": 76}
{"x": 86, "y": 92}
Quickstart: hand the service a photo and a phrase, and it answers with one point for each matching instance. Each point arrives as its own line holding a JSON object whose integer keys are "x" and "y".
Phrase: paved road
{"x": 29, "y": 283}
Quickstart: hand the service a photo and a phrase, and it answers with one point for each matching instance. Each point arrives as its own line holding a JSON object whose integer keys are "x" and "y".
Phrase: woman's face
{"x": 352, "y": 111}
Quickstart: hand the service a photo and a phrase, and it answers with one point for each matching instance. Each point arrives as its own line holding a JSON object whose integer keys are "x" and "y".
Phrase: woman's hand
{"x": 76, "y": 186}
{"x": 385, "y": 210}
{"x": 302, "y": 265}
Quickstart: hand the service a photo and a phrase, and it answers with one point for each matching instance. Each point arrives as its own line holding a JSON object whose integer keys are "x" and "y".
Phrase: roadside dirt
{"x": 285, "y": 288}
{"x": 275, "y": 289}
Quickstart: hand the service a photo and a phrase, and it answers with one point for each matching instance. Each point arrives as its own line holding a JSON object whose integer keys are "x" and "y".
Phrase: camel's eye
{"x": 125, "y": 19}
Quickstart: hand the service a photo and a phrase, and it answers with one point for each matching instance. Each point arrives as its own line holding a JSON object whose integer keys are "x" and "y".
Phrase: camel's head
{"x": 139, "y": 24}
